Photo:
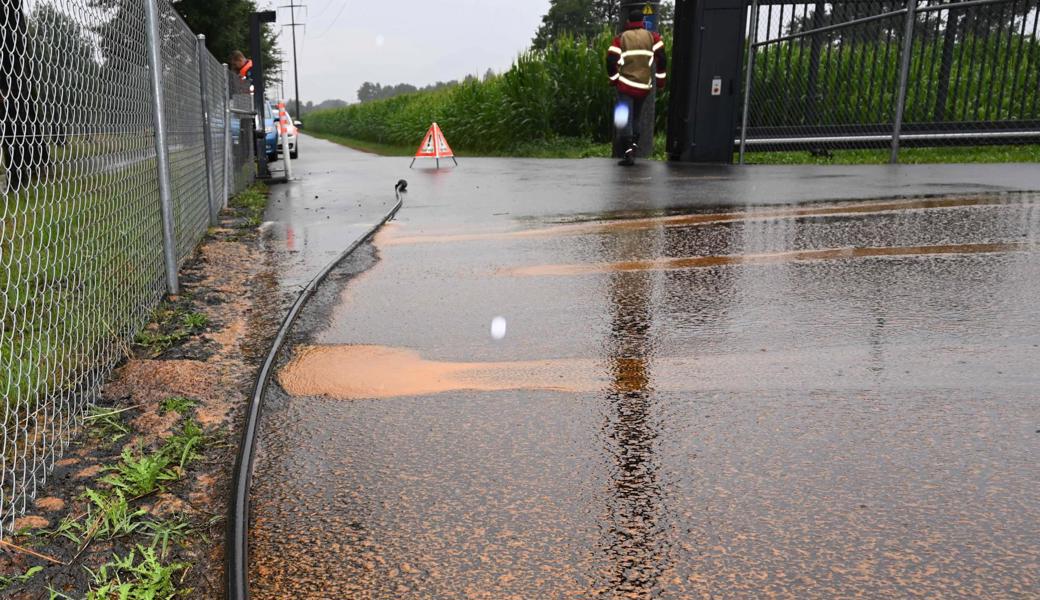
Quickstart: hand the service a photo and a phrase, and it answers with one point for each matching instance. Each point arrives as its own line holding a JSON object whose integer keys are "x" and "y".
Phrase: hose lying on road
{"x": 238, "y": 521}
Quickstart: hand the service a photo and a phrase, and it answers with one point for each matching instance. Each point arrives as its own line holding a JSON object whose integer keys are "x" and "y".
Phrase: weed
{"x": 182, "y": 447}
{"x": 140, "y": 476}
{"x": 127, "y": 578}
{"x": 158, "y": 342}
{"x": 111, "y": 515}
{"x": 252, "y": 202}
{"x": 195, "y": 322}
{"x": 6, "y": 582}
{"x": 163, "y": 533}
{"x": 172, "y": 324}
{"x": 70, "y": 529}
{"x": 107, "y": 424}
{"x": 178, "y": 404}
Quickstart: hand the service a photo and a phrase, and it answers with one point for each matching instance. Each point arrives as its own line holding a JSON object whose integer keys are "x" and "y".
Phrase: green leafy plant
{"x": 172, "y": 530}
{"x": 70, "y": 529}
{"x": 106, "y": 424}
{"x": 136, "y": 476}
{"x": 6, "y": 582}
{"x": 110, "y": 515}
{"x": 178, "y": 404}
{"x": 127, "y": 578}
{"x": 252, "y": 202}
{"x": 183, "y": 446}
{"x": 195, "y": 321}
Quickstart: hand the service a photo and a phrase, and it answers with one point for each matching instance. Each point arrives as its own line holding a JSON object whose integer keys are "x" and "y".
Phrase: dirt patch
{"x": 195, "y": 364}
{"x": 50, "y": 504}
{"x": 369, "y": 372}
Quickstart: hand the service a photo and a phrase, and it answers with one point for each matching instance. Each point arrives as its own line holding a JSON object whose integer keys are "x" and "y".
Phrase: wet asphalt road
{"x": 695, "y": 397}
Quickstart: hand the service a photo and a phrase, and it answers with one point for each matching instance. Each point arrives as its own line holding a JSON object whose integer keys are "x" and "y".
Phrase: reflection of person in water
{"x": 635, "y": 504}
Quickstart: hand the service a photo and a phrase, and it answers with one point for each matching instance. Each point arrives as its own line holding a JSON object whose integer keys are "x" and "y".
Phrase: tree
{"x": 582, "y": 18}
{"x": 225, "y": 23}
{"x": 374, "y": 91}
{"x": 980, "y": 20}
{"x": 23, "y": 146}
{"x": 587, "y": 18}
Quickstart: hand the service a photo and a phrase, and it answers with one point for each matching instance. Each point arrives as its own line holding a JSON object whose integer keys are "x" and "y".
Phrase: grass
{"x": 82, "y": 276}
{"x": 366, "y": 146}
{"x": 6, "y": 582}
{"x": 172, "y": 323}
{"x": 107, "y": 425}
{"x": 145, "y": 572}
{"x": 252, "y": 202}
{"x": 972, "y": 154}
{"x": 178, "y": 404}
{"x": 555, "y": 148}
{"x": 569, "y": 148}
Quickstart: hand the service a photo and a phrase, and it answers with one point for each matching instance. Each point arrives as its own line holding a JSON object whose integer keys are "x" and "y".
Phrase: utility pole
{"x": 292, "y": 6}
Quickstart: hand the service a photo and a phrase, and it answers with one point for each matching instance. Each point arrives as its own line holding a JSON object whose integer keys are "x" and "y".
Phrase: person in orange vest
{"x": 244, "y": 67}
{"x": 635, "y": 62}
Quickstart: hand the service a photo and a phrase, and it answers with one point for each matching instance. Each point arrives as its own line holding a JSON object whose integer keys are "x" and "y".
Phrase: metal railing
{"x": 119, "y": 143}
{"x": 890, "y": 73}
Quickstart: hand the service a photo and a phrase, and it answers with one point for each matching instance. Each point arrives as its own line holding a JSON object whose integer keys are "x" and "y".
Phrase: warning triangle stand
{"x": 435, "y": 146}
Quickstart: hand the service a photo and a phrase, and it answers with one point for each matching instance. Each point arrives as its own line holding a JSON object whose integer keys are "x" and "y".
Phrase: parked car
{"x": 271, "y": 139}
{"x": 273, "y": 142}
{"x": 294, "y": 137}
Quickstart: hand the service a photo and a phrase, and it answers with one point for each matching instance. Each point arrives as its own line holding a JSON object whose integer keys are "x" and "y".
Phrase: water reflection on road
{"x": 857, "y": 417}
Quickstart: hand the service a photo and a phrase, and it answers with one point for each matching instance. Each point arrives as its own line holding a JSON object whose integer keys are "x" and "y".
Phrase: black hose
{"x": 237, "y": 552}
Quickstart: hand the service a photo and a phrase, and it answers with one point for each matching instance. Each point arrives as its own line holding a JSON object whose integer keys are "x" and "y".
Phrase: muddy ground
{"x": 232, "y": 281}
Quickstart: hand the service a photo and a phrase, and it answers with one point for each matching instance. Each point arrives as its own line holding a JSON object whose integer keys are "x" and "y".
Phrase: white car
{"x": 293, "y": 136}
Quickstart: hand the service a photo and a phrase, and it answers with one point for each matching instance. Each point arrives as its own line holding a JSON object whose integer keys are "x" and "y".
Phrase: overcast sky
{"x": 348, "y": 42}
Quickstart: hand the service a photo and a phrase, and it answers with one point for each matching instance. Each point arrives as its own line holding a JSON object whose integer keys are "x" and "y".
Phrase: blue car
{"x": 271, "y": 141}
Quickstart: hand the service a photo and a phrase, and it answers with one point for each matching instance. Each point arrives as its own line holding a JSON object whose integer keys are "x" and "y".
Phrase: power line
{"x": 292, "y": 6}
{"x": 333, "y": 24}
{"x": 324, "y": 8}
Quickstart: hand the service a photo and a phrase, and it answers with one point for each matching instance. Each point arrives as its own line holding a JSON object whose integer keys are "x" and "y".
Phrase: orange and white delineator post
{"x": 434, "y": 145}
{"x": 283, "y": 135}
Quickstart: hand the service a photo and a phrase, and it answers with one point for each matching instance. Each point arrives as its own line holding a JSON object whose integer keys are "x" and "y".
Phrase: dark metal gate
{"x": 890, "y": 73}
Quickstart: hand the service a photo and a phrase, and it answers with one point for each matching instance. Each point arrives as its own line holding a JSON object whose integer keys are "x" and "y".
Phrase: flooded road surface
{"x": 691, "y": 400}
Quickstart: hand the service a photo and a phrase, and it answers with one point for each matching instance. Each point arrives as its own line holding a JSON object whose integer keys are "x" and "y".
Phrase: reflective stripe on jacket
{"x": 636, "y": 60}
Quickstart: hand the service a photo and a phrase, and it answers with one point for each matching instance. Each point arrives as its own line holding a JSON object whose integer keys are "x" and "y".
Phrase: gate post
{"x": 904, "y": 74}
{"x": 749, "y": 79}
{"x": 708, "y": 57}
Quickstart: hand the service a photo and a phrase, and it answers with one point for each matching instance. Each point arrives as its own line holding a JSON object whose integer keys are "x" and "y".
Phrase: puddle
{"x": 701, "y": 262}
{"x": 692, "y": 220}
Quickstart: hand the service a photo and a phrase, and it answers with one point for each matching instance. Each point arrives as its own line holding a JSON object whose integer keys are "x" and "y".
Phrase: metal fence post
{"x": 904, "y": 74}
{"x": 750, "y": 66}
{"x": 207, "y": 128}
{"x": 162, "y": 155}
{"x": 227, "y": 137}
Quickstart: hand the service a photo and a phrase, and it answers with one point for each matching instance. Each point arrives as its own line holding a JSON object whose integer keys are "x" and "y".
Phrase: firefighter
{"x": 635, "y": 62}
{"x": 244, "y": 67}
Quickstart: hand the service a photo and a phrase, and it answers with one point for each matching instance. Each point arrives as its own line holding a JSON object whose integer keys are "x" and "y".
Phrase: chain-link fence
{"x": 891, "y": 73}
{"x": 87, "y": 172}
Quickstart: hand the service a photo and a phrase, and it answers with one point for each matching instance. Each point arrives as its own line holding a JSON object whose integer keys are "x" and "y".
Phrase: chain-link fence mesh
{"x": 81, "y": 241}
{"x": 243, "y": 147}
{"x": 833, "y": 75}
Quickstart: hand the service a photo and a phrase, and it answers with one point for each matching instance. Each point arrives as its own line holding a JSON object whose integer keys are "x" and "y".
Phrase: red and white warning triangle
{"x": 435, "y": 145}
